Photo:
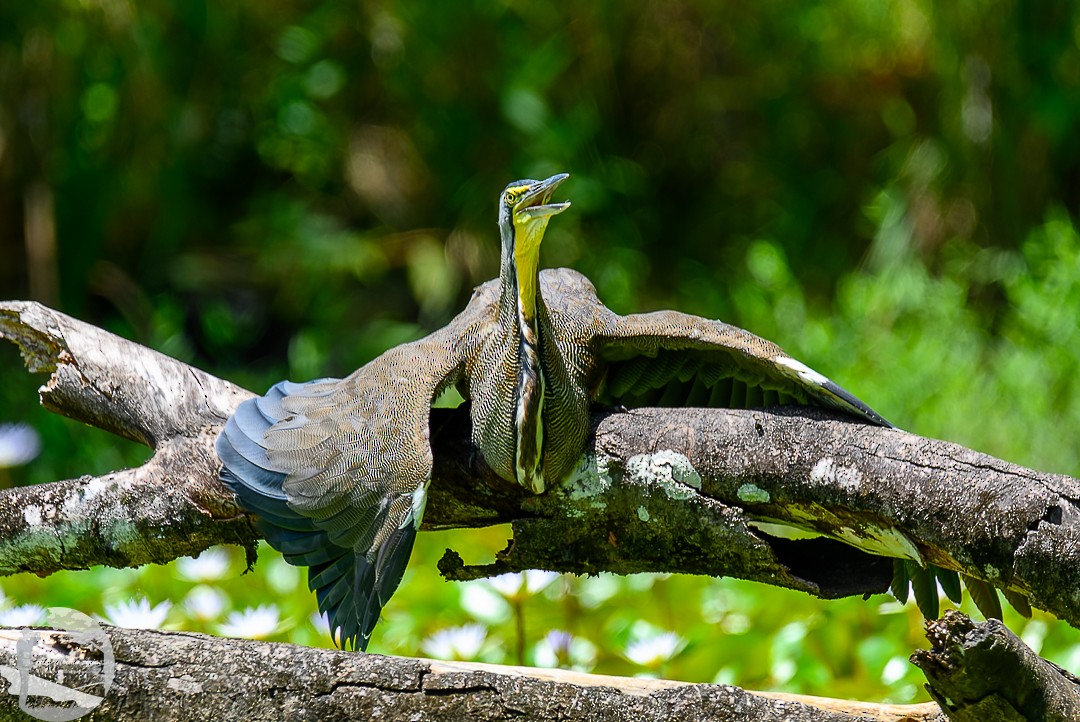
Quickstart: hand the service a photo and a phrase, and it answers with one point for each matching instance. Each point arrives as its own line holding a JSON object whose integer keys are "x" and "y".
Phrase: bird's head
{"x": 524, "y": 212}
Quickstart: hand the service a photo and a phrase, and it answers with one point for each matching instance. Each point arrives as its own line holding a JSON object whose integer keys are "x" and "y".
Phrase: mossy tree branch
{"x": 677, "y": 490}
{"x": 686, "y": 490}
{"x": 985, "y": 673}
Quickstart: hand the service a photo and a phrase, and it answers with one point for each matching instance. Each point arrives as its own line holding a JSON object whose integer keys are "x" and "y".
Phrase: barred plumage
{"x": 336, "y": 471}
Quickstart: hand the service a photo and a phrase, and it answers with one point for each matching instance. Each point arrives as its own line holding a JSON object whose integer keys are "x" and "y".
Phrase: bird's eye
{"x": 511, "y": 198}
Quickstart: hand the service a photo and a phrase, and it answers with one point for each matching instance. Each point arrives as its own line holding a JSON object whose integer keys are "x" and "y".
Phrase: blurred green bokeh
{"x": 272, "y": 190}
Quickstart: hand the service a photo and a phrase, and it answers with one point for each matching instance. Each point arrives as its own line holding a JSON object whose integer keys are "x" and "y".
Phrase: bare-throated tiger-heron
{"x": 336, "y": 471}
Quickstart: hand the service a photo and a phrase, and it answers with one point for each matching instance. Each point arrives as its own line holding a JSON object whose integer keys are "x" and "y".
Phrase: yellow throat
{"x": 529, "y": 232}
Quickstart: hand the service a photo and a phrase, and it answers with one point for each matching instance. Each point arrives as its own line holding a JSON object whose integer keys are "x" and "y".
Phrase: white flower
{"x": 19, "y": 444}
{"x": 483, "y": 603}
{"x": 895, "y": 670}
{"x": 515, "y": 586}
{"x": 137, "y": 613}
{"x": 321, "y": 622}
{"x": 654, "y": 650}
{"x": 204, "y": 602}
{"x": 253, "y": 623}
{"x": 22, "y": 616}
{"x": 460, "y": 643}
{"x": 211, "y": 565}
{"x": 594, "y": 591}
{"x": 559, "y": 641}
{"x": 508, "y": 585}
{"x": 537, "y": 580}
{"x": 562, "y": 649}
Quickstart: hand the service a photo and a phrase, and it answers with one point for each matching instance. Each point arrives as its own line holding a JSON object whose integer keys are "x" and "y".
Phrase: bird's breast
{"x": 530, "y": 407}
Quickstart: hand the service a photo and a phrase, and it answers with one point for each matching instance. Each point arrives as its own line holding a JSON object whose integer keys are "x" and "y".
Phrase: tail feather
{"x": 326, "y": 575}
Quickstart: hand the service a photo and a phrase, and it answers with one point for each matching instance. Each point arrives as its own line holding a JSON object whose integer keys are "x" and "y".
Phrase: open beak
{"x": 534, "y": 204}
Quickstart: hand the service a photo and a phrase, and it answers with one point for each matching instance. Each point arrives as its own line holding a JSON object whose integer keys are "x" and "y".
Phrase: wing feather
{"x": 653, "y": 351}
{"x": 672, "y": 358}
{"x": 335, "y": 472}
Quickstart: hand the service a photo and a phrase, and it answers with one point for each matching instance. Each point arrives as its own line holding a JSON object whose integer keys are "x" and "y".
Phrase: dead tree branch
{"x": 676, "y": 490}
{"x": 686, "y": 490}
{"x": 985, "y": 673}
{"x": 187, "y": 676}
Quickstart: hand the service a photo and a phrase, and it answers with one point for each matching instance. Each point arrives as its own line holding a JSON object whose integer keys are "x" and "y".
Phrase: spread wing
{"x": 673, "y": 359}
{"x": 336, "y": 472}
{"x": 668, "y": 358}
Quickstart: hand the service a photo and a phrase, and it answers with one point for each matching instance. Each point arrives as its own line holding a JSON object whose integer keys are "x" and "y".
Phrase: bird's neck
{"x": 521, "y": 304}
{"x": 520, "y": 309}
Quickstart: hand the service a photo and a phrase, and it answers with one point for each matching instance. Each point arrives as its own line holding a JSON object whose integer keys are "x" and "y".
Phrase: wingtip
{"x": 355, "y": 608}
{"x": 856, "y": 404}
{"x": 352, "y": 584}
{"x": 835, "y": 394}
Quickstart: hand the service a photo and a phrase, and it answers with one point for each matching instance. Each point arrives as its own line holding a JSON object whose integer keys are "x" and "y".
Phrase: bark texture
{"x": 112, "y": 383}
{"x": 171, "y": 506}
{"x": 985, "y": 673}
{"x": 185, "y": 676}
{"x": 675, "y": 490}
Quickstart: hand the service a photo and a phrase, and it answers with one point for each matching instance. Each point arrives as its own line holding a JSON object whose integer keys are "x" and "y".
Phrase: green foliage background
{"x": 271, "y": 190}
